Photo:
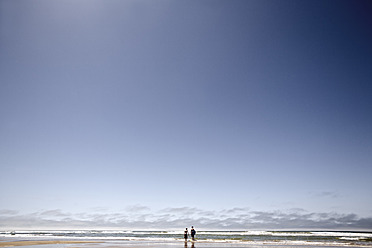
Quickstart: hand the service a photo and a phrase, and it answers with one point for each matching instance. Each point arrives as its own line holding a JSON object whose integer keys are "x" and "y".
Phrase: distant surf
{"x": 306, "y": 238}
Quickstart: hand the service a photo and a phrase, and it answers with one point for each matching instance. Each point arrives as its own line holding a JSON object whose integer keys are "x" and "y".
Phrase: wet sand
{"x": 42, "y": 242}
{"x": 139, "y": 244}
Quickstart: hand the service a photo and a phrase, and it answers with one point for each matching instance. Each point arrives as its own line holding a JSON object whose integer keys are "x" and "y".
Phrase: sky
{"x": 218, "y": 114}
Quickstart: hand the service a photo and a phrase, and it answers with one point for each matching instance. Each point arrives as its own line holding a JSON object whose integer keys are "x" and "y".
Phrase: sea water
{"x": 297, "y": 238}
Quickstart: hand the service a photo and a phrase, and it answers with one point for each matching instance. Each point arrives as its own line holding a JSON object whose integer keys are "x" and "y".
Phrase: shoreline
{"x": 162, "y": 244}
{"x": 44, "y": 242}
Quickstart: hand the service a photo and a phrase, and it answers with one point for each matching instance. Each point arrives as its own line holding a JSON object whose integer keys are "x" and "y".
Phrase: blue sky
{"x": 227, "y": 114}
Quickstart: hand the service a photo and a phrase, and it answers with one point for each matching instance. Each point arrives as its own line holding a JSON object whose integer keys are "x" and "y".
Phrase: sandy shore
{"x": 42, "y": 242}
{"x": 139, "y": 244}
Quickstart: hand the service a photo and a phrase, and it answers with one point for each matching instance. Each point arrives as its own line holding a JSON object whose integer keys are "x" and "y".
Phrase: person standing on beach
{"x": 193, "y": 233}
{"x": 186, "y": 234}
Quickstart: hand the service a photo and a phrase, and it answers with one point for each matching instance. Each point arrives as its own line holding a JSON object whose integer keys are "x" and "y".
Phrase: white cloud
{"x": 325, "y": 194}
{"x": 175, "y": 218}
{"x": 8, "y": 212}
{"x": 137, "y": 208}
{"x": 54, "y": 213}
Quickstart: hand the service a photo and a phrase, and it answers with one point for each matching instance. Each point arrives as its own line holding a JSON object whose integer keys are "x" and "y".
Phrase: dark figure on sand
{"x": 193, "y": 233}
{"x": 186, "y": 234}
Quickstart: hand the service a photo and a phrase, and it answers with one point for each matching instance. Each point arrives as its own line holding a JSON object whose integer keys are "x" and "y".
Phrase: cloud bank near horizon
{"x": 140, "y": 217}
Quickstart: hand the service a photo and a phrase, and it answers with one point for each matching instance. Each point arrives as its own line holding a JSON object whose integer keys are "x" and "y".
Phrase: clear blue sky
{"x": 178, "y": 112}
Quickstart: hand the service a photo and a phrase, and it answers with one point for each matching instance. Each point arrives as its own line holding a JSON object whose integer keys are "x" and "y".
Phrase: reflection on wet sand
{"x": 192, "y": 244}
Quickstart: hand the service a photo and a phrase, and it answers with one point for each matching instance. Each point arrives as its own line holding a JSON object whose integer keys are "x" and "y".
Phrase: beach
{"x": 43, "y": 242}
{"x": 150, "y": 244}
{"x": 174, "y": 239}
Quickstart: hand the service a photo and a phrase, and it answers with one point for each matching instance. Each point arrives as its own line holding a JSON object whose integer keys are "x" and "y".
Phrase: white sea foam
{"x": 342, "y": 234}
{"x": 289, "y": 234}
{"x": 235, "y": 237}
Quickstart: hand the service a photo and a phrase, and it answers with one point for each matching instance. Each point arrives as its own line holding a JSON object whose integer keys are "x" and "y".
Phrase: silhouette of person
{"x": 193, "y": 232}
{"x": 186, "y": 234}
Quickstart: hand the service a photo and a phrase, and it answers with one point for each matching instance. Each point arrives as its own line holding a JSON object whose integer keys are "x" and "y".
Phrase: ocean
{"x": 286, "y": 238}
